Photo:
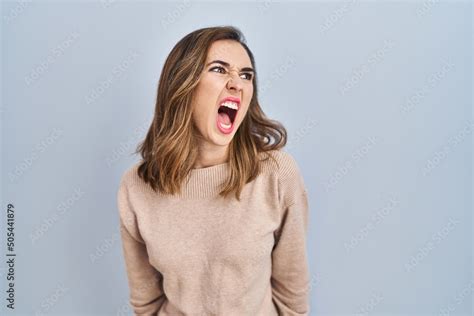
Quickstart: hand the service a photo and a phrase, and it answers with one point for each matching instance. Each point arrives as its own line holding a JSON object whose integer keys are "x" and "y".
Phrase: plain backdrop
{"x": 377, "y": 100}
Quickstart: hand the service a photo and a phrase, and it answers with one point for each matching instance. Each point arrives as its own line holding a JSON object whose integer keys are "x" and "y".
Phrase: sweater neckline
{"x": 216, "y": 166}
{"x": 205, "y": 181}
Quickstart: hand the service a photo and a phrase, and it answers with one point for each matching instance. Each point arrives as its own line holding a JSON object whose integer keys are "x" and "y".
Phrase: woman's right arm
{"x": 145, "y": 282}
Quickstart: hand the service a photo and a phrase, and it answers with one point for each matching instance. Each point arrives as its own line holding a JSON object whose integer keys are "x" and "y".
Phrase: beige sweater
{"x": 198, "y": 254}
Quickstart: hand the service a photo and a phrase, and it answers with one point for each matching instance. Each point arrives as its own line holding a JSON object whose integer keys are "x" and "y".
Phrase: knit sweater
{"x": 196, "y": 253}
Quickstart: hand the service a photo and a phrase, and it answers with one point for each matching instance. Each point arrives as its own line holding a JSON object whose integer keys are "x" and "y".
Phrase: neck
{"x": 211, "y": 155}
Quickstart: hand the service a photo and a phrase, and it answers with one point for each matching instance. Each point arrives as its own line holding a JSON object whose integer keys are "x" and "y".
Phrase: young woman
{"x": 214, "y": 216}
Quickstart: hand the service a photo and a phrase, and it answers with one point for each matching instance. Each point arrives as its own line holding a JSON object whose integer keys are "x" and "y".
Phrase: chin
{"x": 222, "y": 138}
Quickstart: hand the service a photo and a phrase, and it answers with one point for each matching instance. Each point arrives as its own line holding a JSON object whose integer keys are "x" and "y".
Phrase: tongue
{"x": 224, "y": 118}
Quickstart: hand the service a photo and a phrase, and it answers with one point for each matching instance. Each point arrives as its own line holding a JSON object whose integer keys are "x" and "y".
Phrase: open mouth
{"x": 226, "y": 114}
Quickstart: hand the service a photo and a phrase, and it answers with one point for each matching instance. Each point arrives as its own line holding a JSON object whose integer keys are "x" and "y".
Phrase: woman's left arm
{"x": 290, "y": 271}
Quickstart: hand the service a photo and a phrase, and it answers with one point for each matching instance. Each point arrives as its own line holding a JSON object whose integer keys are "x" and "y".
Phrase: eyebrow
{"x": 227, "y": 65}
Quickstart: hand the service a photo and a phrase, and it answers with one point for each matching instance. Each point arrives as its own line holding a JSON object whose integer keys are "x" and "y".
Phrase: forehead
{"x": 229, "y": 51}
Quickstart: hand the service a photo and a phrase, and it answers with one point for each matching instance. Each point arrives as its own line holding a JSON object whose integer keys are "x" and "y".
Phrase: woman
{"x": 214, "y": 216}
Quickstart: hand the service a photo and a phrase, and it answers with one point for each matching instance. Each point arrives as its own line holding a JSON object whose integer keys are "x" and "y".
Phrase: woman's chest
{"x": 181, "y": 236}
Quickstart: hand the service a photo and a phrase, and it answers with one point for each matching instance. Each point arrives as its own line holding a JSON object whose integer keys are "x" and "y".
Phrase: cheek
{"x": 207, "y": 94}
{"x": 211, "y": 86}
{"x": 205, "y": 100}
{"x": 245, "y": 112}
{"x": 202, "y": 115}
{"x": 248, "y": 99}
{"x": 249, "y": 93}
{"x": 203, "y": 112}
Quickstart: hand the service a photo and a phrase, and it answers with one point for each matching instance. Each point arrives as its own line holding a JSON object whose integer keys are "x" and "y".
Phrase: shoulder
{"x": 282, "y": 163}
{"x": 126, "y": 201}
{"x": 286, "y": 164}
{"x": 131, "y": 186}
{"x": 291, "y": 183}
{"x": 130, "y": 177}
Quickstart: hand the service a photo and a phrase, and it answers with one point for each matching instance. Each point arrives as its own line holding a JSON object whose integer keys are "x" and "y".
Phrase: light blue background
{"x": 377, "y": 99}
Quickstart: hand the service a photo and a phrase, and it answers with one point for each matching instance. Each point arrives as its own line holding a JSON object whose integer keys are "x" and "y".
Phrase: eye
{"x": 249, "y": 75}
{"x": 217, "y": 67}
{"x": 220, "y": 69}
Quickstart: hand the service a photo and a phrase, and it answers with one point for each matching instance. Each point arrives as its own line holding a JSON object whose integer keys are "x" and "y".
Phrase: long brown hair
{"x": 169, "y": 151}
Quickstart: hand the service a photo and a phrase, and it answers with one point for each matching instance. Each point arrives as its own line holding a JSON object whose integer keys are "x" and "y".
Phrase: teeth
{"x": 230, "y": 104}
{"x": 225, "y": 125}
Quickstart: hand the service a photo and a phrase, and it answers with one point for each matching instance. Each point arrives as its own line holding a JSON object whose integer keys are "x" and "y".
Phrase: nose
{"x": 234, "y": 81}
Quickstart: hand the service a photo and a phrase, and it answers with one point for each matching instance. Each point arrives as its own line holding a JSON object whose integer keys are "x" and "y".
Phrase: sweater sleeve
{"x": 145, "y": 282}
{"x": 290, "y": 268}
